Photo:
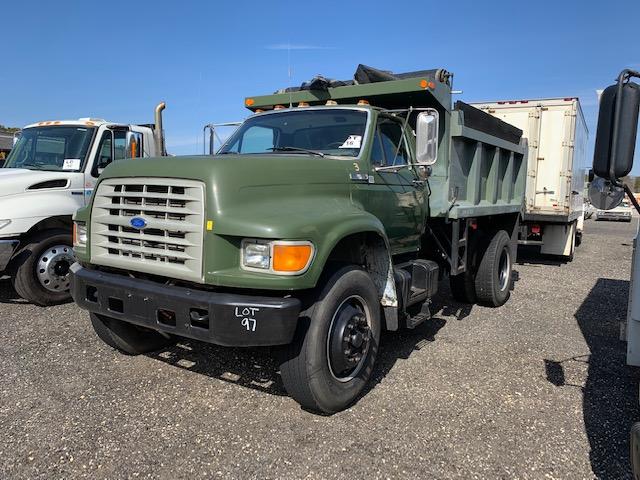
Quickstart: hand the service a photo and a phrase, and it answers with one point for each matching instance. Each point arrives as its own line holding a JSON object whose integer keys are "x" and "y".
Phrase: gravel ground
{"x": 535, "y": 389}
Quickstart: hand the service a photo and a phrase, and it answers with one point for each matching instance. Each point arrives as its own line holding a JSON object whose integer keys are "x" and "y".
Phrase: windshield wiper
{"x": 296, "y": 149}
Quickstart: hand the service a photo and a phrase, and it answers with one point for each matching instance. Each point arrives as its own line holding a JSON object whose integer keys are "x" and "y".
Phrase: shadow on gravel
{"x": 530, "y": 255}
{"x": 255, "y": 368}
{"x": 258, "y": 368}
{"x": 8, "y": 294}
{"x": 610, "y": 393}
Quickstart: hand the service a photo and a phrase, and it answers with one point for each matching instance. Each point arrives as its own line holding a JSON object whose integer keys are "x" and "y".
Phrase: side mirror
{"x": 427, "y": 137}
{"x": 133, "y": 147}
{"x": 617, "y": 129}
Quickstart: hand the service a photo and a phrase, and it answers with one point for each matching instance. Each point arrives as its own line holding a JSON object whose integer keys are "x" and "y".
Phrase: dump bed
{"x": 481, "y": 165}
{"x": 557, "y": 137}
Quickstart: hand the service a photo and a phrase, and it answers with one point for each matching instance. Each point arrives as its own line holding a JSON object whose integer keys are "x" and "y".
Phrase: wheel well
{"x": 370, "y": 251}
{"x": 63, "y": 222}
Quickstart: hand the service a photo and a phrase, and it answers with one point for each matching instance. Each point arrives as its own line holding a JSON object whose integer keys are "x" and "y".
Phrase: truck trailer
{"x": 49, "y": 174}
{"x": 329, "y": 215}
{"x": 557, "y": 164}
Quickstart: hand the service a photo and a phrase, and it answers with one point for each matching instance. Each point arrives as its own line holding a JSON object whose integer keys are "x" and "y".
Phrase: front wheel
{"x": 335, "y": 347}
{"x": 41, "y": 268}
{"x": 126, "y": 337}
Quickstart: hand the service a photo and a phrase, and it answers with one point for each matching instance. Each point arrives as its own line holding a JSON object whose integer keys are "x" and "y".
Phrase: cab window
{"x": 256, "y": 139}
{"x": 393, "y": 143}
{"x": 112, "y": 147}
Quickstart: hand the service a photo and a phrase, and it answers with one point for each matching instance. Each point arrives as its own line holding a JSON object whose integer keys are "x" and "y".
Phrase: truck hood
{"x": 251, "y": 193}
{"x": 238, "y": 172}
{"x": 14, "y": 181}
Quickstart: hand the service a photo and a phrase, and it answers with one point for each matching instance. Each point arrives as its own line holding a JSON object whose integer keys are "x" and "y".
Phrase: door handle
{"x": 418, "y": 183}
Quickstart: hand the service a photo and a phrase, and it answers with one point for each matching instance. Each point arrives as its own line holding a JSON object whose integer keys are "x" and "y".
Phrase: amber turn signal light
{"x": 291, "y": 258}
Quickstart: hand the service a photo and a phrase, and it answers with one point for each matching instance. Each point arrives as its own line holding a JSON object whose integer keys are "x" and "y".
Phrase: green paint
{"x": 291, "y": 196}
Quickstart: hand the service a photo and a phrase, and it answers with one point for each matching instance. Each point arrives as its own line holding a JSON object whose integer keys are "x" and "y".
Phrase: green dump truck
{"x": 328, "y": 216}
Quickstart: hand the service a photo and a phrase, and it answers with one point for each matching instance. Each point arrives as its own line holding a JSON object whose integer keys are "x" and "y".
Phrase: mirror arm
{"x": 631, "y": 197}
{"x": 398, "y": 167}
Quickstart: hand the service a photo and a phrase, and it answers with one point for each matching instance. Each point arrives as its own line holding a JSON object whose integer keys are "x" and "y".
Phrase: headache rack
{"x": 380, "y": 88}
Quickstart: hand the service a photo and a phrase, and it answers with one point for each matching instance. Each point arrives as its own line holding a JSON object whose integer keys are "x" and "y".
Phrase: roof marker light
{"x": 331, "y": 102}
{"x": 303, "y": 104}
{"x": 278, "y": 107}
{"x": 249, "y": 102}
{"x": 362, "y": 101}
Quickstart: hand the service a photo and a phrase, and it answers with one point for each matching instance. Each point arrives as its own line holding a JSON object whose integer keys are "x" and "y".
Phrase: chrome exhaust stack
{"x": 158, "y": 132}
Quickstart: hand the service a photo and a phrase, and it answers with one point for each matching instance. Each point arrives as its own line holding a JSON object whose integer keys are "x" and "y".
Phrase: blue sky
{"x": 117, "y": 59}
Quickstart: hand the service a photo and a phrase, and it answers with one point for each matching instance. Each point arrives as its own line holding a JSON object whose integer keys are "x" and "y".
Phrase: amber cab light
{"x": 291, "y": 258}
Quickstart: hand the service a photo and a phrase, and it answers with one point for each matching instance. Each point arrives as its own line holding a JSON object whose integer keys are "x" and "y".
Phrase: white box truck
{"x": 49, "y": 174}
{"x": 557, "y": 164}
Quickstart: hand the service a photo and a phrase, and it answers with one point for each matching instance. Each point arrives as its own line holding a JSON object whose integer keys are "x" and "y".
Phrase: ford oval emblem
{"x": 138, "y": 223}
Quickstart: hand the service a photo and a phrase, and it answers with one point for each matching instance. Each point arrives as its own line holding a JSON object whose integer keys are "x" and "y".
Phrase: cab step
{"x": 416, "y": 282}
{"x": 424, "y": 315}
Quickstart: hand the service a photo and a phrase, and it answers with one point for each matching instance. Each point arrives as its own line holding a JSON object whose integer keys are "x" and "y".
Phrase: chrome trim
{"x": 271, "y": 244}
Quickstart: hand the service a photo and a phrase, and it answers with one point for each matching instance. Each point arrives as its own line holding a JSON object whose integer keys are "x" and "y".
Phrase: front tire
{"x": 493, "y": 279}
{"x": 41, "y": 268}
{"x": 331, "y": 358}
{"x": 127, "y": 338}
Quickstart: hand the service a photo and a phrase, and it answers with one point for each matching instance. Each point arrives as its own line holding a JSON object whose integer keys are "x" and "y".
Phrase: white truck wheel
{"x": 41, "y": 268}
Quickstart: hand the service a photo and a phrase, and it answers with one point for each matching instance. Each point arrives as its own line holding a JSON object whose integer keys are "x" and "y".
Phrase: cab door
{"x": 396, "y": 195}
{"x": 112, "y": 147}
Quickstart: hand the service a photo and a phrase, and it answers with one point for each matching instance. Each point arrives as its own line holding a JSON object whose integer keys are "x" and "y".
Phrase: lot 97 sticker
{"x": 353, "y": 141}
{"x": 247, "y": 315}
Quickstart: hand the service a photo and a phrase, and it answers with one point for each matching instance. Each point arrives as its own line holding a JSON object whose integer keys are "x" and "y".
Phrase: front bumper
{"x": 7, "y": 247}
{"x": 213, "y": 317}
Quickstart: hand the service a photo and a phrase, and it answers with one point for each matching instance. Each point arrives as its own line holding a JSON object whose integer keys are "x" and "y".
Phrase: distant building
{"x": 6, "y": 144}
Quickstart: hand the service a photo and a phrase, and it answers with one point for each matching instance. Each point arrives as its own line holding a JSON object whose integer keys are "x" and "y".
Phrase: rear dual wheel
{"x": 490, "y": 283}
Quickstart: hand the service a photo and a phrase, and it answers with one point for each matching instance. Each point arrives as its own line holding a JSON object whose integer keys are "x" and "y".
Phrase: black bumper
{"x": 220, "y": 318}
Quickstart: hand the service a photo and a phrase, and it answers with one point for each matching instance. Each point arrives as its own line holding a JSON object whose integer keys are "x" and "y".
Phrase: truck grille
{"x": 169, "y": 214}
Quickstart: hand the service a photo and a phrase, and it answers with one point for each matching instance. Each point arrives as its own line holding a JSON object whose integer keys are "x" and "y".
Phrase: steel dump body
{"x": 481, "y": 165}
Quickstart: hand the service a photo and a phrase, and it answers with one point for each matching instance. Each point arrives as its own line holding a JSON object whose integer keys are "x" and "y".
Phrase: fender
{"x": 29, "y": 208}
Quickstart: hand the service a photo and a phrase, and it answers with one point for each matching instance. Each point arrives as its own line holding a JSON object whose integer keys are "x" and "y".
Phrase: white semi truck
{"x": 554, "y": 199}
{"x": 48, "y": 175}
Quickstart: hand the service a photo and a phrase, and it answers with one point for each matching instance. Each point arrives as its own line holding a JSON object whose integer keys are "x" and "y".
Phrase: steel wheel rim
{"x": 356, "y": 338}
{"x": 53, "y": 267}
{"x": 504, "y": 269}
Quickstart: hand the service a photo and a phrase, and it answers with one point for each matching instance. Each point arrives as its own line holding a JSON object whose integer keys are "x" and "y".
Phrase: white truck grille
{"x": 169, "y": 216}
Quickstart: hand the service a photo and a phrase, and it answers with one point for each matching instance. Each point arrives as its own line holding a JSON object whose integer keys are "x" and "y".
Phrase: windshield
{"x": 330, "y": 131}
{"x": 51, "y": 148}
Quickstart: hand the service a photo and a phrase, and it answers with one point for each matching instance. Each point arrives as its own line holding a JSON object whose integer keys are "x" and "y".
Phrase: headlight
{"x": 279, "y": 256}
{"x": 256, "y": 255}
{"x": 4, "y": 223}
{"x": 79, "y": 234}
